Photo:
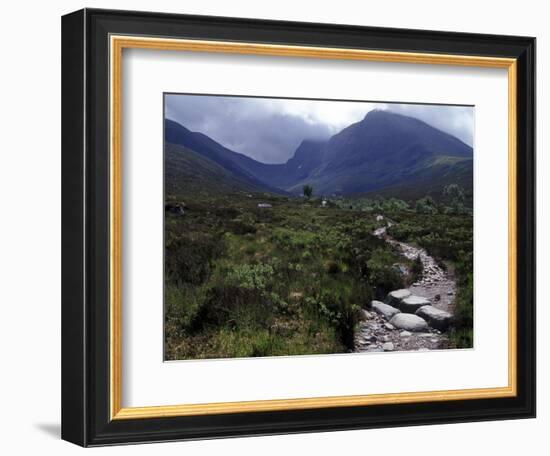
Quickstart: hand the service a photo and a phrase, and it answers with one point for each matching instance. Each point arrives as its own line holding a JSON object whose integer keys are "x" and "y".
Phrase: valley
{"x": 304, "y": 257}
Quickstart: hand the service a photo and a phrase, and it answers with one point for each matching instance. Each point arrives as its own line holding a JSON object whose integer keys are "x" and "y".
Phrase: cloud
{"x": 269, "y": 130}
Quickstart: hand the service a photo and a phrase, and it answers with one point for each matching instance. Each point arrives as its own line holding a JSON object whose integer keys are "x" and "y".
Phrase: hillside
{"x": 431, "y": 180}
{"x": 174, "y": 133}
{"x": 188, "y": 172}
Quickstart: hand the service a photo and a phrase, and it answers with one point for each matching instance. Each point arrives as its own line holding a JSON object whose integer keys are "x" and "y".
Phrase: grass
{"x": 245, "y": 281}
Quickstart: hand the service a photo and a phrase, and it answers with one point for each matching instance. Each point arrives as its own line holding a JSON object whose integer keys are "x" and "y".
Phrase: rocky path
{"x": 414, "y": 318}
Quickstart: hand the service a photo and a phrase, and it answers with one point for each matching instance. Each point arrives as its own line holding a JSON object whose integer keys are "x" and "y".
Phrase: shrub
{"x": 332, "y": 267}
{"x": 241, "y": 227}
{"x": 455, "y": 197}
{"x": 234, "y": 307}
{"x": 337, "y": 309}
{"x": 382, "y": 274}
{"x": 289, "y": 239}
{"x": 306, "y": 255}
{"x": 251, "y": 276}
{"x": 250, "y": 250}
{"x": 426, "y": 205}
{"x": 462, "y": 338}
{"x": 181, "y": 303}
{"x": 464, "y": 313}
{"x": 227, "y": 212}
{"x": 189, "y": 259}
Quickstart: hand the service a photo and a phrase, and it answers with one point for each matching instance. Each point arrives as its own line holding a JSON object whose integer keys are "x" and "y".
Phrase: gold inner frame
{"x": 117, "y": 44}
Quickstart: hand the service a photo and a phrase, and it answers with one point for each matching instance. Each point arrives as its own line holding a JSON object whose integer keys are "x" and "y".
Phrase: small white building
{"x": 379, "y": 218}
{"x": 264, "y": 205}
{"x": 324, "y": 203}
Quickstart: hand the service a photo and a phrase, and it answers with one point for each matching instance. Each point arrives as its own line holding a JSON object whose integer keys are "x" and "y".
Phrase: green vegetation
{"x": 248, "y": 281}
{"x": 426, "y": 205}
{"x": 373, "y": 204}
{"x": 291, "y": 279}
{"x": 308, "y": 191}
{"x": 455, "y": 198}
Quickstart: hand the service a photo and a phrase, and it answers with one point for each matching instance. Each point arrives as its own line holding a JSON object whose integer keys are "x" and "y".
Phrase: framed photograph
{"x": 278, "y": 227}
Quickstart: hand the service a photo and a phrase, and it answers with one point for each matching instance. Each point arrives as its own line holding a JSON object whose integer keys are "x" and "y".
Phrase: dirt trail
{"x": 376, "y": 334}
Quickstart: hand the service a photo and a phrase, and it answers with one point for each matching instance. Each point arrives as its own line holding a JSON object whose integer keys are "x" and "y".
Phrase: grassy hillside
{"x": 430, "y": 180}
{"x": 187, "y": 172}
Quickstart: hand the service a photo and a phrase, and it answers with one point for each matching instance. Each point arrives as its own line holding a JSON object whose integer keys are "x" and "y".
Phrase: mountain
{"x": 177, "y": 134}
{"x": 382, "y": 150}
{"x": 385, "y": 153}
{"x": 188, "y": 172}
{"x": 270, "y": 177}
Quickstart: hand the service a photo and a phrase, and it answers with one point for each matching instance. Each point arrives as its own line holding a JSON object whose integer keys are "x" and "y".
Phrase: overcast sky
{"x": 270, "y": 130}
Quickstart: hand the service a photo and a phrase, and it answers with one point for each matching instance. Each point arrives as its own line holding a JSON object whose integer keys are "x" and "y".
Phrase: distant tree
{"x": 455, "y": 197}
{"x": 308, "y": 191}
{"x": 426, "y": 205}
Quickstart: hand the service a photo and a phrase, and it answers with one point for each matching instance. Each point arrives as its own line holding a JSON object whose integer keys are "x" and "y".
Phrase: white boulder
{"x": 385, "y": 310}
{"x": 395, "y": 297}
{"x": 436, "y": 318}
{"x": 412, "y": 303}
{"x": 409, "y": 322}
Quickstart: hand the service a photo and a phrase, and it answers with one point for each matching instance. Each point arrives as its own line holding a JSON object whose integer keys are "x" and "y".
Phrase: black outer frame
{"x": 85, "y": 227}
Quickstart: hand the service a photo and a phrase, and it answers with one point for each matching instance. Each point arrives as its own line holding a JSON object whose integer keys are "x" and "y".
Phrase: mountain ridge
{"x": 383, "y": 150}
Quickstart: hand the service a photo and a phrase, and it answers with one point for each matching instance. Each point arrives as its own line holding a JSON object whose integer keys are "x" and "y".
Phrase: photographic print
{"x": 306, "y": 227}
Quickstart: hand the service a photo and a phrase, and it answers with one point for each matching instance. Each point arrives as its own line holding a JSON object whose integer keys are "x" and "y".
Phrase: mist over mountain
{"x": 385, "y": 152}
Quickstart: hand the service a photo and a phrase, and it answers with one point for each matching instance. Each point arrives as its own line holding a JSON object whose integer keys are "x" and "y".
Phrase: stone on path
{"x": 388, "y": 346}
{"x": 395, "y": 297}
{"x": 412, "y": 303}
{"x": 385, "y": 310}
{"x": 389, "y": 326}
{"x": 405, "y": 334}
{"x": 366, "y": 315}
{"x": 409, "y": 322}
{"x": 437, "y": 318}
